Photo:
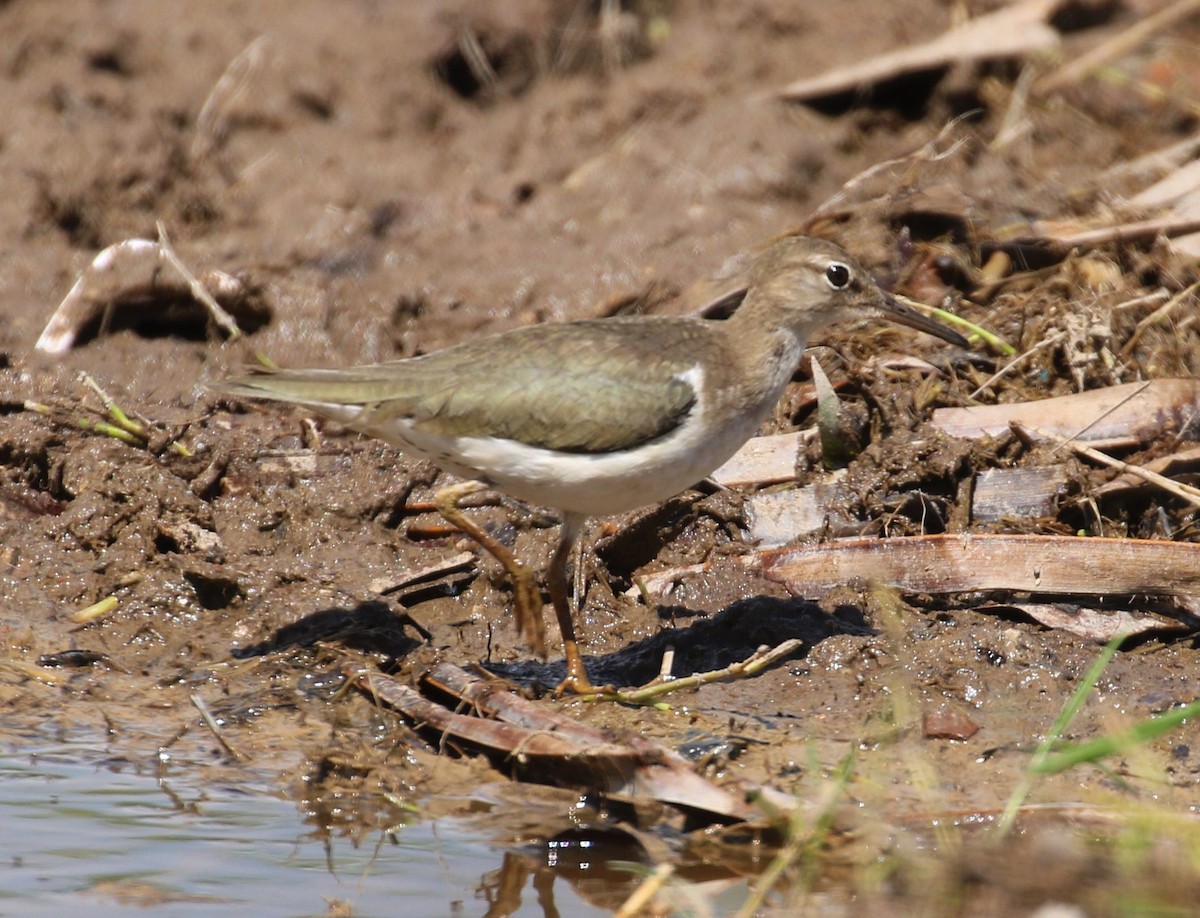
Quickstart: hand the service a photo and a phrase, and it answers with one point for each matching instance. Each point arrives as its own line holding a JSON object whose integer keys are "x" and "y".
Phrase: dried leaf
{"x": 1012, "y": 31}
{"x": 1063, "y": 565}
{"x": 1124, "y": 415}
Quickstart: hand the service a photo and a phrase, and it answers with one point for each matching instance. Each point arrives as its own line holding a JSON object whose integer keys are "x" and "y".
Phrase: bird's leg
{"x": 576, "y": 679}
{"x": 527, "y": 598}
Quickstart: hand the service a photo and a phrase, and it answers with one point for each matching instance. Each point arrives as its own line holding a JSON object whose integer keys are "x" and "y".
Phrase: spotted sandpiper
{"x": 600, "y": 416}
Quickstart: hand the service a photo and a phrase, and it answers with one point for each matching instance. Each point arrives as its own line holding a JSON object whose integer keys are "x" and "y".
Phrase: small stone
{"x": 947, "y": 722}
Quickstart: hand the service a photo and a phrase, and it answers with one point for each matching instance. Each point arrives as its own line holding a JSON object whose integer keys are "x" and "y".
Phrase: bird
{"x": 595, "y": 417}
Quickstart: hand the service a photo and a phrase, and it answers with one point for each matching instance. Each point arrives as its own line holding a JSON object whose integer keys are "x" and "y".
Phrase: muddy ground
{"x": 379, "y": 198}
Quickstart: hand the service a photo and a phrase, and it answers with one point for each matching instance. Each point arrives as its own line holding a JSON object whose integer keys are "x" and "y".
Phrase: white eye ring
{"x": 837, "y": 275}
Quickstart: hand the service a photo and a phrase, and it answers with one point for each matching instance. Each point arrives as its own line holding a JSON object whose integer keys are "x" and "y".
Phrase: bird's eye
{"x": 837, "y": 275}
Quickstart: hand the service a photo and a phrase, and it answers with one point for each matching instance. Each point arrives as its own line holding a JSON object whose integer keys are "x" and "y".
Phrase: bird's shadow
{"x": 370, "y": 627}
{"x": 728, "y": 637}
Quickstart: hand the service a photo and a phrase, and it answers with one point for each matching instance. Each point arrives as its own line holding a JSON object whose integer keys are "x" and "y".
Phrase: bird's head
{"x": 815, "y": 283}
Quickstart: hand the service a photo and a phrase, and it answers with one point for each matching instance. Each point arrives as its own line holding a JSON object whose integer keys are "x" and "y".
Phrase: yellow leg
{"x": 576, "y": 679}
{"x": 527, "y": 598}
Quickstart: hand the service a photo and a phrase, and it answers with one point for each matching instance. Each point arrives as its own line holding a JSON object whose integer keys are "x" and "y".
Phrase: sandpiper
{"x": 595, "y": 417}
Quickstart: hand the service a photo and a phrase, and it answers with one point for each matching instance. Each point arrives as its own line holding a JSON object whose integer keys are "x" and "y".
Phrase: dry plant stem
{"x": 1015, "y": 122}
{"x": 472, "y": 500}
{"x": 213, "y": 120}
{"x": 801, "y": 840}
{"x": 1103, "y": 415}
{"x": 1153, "y": 164}
{"x": 222, "y": 318}
{"x": 608, "y": 28}
{"x": 36, "y": 673}
{"x": 462, "y": 561}
{"x": 1188, "y": 459}
{"x": 1118, "y": 46}
{"x": 929, "y": 153}
{"x": 477, "y": 61}
{"x": 124, "y": 273}
{"x": 211, "y": 722}
{"x": 1016, "y": 361}
{"x": 1015, "y": 31}
{"x": 1137, "y": 231}
{"x": 1124, "y": 415}
{"x": 1183, "y": 492}
{"x": 640, "y": 899}
{"x": 753, "y": 664}
{"x": 95, "y": 611}
{"x": 1144, "y": 300}
{"x": 1157, "y": 316}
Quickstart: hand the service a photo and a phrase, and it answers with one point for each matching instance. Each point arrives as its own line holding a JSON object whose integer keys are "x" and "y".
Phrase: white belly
{"x": 586, "y": 483}
{"x": 593, "y": 484}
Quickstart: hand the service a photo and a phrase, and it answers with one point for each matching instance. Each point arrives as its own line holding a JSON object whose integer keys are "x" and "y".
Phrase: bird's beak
{"x": 906, "y": 315}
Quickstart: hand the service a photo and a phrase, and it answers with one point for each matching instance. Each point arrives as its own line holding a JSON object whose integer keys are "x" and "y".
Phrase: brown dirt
{"x": 382, "y": 204}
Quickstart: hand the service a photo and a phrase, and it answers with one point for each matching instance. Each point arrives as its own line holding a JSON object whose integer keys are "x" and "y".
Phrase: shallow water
{"x": 77, "y": 834}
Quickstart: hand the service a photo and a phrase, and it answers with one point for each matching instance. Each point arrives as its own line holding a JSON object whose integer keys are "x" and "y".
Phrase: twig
{"x": 641, "y": 897}
{"x": 1183, "y": 492}
{"x": 219, "y": 315}
{"x": 929, "y": 153}
{"x": 477, "y": 61}
{"x": 1003, "y": 371}
{"x": 1134, "y": 232}
{"x": 215, "y": 728}
{"x": 801, "y": 840}
{"x": 213, "y": 120}
{"x": 753, "y": 664}
{"x": 1015, "y": 122}
{"x": 1118, "y": 46}
{"x": 1144, "y": 300}
{"x": 1161, "y": 313}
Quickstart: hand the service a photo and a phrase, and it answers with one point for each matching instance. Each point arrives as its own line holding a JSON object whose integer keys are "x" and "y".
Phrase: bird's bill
{"x": 904, "y": 314}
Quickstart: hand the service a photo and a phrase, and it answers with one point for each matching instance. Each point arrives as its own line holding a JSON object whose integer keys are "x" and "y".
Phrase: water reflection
{"x": 80, "y": 832}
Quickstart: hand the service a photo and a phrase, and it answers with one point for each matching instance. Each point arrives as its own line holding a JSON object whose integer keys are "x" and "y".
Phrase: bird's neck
{"x": 764, "y": 350}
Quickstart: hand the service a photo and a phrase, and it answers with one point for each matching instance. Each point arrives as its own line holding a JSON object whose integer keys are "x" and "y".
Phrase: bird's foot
{"x": 528, "y": 606}
{"x": 577, "y": 681}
